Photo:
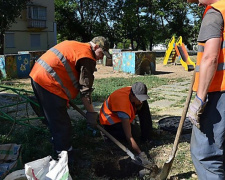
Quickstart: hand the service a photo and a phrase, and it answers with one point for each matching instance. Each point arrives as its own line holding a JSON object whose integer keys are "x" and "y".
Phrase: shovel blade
{"x": 166, "y": 169}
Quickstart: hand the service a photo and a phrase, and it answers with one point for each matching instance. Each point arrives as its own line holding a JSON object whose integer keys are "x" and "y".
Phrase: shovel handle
{"x": 77, "y": 109}
{"x": 168, "y": 164}
{"x": 101, "y": 129}
{"x": 183, "y": 117}
{"x": 112, "y": 138}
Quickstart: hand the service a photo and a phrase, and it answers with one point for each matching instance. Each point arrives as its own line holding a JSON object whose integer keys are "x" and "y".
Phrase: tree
{"x": 196, "y": 12}
{"x": 140, "y": 22}
{"x": 153, "y": 22}
{"x": 9, "y": 11}
{"x": 82, "y": 19}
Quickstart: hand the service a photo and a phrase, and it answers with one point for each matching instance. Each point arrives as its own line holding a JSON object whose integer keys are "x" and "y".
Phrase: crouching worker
{"x": 119, "y": 110}
{"x": 58, "y": 76}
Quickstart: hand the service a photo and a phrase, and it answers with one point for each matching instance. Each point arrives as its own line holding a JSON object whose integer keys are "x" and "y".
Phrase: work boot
{"x": 73, "y": 160}
{"x": 74, "y": 155}
{"x": 71, "y": 157}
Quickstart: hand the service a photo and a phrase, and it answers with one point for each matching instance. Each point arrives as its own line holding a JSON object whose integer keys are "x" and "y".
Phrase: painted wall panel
{"x": 2, "y": 66}
{"x": 135, "y": 62}
{"x": 23, "y": 65}
{"x": 34, "y": 55}
{"x": 117, "y": 59}
{"x": 17, "y": 65}
{"x": 128, "y": 62}
{"x": 107, "y": 61}
{"x": 145, "y": 62}
{"x": 11, "y": 66}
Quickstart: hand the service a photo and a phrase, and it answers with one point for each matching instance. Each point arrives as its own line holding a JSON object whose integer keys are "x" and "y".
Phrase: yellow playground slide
{"x": 182, "y": 54}
{"x": 170, "y": 49}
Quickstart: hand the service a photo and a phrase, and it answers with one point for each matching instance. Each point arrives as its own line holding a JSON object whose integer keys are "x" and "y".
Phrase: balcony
{"x": 36, "y": 24}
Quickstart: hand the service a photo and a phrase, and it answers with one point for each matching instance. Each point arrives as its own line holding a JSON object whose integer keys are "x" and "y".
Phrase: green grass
{"x": 104, "y": 87}
{"x": 36, "y": 144}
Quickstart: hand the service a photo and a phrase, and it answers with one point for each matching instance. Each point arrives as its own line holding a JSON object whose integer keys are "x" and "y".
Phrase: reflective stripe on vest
{"x": 201, "y": 47}
{"x": 118, "y": 101}
{"x": 67, "y": 66}
{"x": 63, "y": 59}
{"x": 220, "y": 67}
{"x": 51, "y": 71}
{"x": 218, "y": 81}
{"x": 109, "y": 119}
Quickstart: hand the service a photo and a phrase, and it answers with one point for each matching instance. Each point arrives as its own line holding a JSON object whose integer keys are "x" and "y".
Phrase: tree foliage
{"x": 82, "y": 19}
{"x": 9, "y": 11}
{"x": 141, "y": 23}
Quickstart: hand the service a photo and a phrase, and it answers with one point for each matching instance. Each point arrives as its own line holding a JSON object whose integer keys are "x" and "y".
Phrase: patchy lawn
{"x": 97, "y": 157}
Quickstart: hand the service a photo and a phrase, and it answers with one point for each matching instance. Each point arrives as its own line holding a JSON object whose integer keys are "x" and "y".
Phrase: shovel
{"x": 168, "y": 164}
{"x": 121, "y": 146}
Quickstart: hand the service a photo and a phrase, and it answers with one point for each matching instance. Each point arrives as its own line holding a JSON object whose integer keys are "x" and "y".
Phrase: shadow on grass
{"x": 162, "y": 72}
{"x": 161, "y": 137}
{"x": 187, "y": 175}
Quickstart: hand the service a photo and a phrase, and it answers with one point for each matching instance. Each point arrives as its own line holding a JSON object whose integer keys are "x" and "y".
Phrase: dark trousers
{"x": 145, "y": 119}
{"x": 54, "y": 109}
{"x": 208, "y": 143}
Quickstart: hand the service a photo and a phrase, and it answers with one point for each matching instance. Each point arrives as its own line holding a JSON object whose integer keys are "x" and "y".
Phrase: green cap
{"x": 103, "y": 43}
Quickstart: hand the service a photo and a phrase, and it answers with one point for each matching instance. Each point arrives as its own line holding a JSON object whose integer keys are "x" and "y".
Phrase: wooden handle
{"x": 184, "y": 113}
{"x": 101, "y": 129}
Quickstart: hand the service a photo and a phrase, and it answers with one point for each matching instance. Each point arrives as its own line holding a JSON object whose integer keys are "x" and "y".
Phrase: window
{"x": 36, "y": 12}
{"x": 9, "y": 40}
{"x": 35, "y": 40}
{"x": 37, "y": 16}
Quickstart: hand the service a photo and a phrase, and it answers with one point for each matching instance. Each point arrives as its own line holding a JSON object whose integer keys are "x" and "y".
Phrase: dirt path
{"x": 164, "y": 71}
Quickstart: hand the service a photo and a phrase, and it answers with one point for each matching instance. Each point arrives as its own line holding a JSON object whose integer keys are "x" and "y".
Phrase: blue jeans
{"x": 207, "y": 144}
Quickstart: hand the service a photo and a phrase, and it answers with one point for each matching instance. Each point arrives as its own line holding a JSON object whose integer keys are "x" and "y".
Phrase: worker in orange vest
{"x": 57, "y": 77}
{"x": 207, "y": 111}
{"x": 119, "y": 110}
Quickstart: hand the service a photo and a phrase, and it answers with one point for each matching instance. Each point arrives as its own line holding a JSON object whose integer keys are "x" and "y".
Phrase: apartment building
{"x": 34, "y": 30}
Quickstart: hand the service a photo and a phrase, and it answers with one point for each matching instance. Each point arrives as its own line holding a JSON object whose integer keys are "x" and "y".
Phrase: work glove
{"x": 195, "y": 111}
{"x": 92, "y": 119}
{"x": 143, "y": 159}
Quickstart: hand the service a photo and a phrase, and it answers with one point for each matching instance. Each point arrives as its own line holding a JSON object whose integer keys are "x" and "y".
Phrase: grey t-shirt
{"x": 123, "y": 115}
{"x": 212, "y": 26}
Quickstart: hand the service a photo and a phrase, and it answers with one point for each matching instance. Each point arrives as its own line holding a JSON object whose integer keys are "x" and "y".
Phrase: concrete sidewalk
{"x": 171, "y": 98}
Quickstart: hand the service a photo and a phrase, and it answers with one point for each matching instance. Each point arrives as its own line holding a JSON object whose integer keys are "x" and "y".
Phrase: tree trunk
{"x": 132, "y": 44}
{"x": 2, "y": 43}
{"x": 150, "y": 43}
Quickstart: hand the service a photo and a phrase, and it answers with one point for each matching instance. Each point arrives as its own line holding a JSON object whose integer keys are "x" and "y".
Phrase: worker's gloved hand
{"x": 92, "y": 118}
{"x": 143, "y": 159}
{"x": 195, "y": 111}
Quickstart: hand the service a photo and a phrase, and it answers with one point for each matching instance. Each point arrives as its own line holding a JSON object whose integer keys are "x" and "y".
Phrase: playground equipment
{"x": 175, "y": 49}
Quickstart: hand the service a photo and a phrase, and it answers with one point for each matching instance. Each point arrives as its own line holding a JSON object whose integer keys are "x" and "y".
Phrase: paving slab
{"x": 162, "y": 104}
{"x": 172, "y": 94}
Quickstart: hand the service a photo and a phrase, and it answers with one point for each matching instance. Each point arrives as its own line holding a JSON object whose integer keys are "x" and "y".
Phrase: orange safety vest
{"x": 117, "y": 101}
{"x": 218, "y": 82}
{"x": 55, "y": 70}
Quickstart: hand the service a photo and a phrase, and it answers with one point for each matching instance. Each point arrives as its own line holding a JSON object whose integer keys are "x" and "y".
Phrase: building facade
{"x": 34, "y": 30}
